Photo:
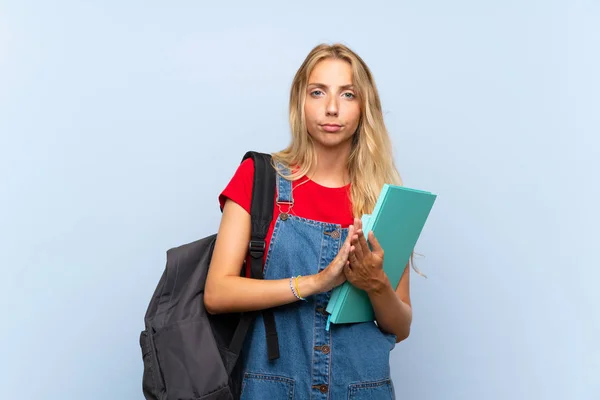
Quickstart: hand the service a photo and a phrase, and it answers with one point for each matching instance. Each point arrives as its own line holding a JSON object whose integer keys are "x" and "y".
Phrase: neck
{"x": 332, "y": 166}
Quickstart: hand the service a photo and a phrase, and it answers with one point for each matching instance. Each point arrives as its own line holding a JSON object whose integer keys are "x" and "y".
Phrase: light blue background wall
{"x": 120, "y": 122}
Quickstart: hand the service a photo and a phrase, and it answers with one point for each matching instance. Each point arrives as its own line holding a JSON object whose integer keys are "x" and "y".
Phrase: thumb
{"x": 343, "y": 254}
{"x": 351, "y": 232}
{"x": 347, "y": 270}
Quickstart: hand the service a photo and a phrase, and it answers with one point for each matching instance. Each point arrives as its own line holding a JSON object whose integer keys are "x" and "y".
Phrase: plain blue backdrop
{"x": 120, "y": 123}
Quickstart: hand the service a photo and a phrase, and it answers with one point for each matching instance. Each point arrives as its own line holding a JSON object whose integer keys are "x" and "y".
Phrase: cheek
{"x": 353, "y": 115}
{"x": 309, "y": 114}
{"x": 308, "y": 111}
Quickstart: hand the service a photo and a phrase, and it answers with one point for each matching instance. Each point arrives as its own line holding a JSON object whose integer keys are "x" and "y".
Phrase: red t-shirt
{"x": 311, "y": 200}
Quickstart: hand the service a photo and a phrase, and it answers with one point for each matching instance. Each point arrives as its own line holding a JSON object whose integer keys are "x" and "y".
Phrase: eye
{"x": 349, "y": 95}
{"x": 316, "y": 92}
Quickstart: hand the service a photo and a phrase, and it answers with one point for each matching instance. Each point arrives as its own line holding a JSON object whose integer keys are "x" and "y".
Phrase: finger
{"x": 362, "y": 243}
{"x": 377, "y": 249}
{"x": 347, "y": 243}
{"x": 358, "y": 248}
{"x": 351, "y": 233}
{"x": 346, "y": 250}
{"x": 353, "y": 258}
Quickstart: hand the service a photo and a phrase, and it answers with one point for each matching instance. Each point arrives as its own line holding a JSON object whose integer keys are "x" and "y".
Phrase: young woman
{"x": 328, "y": 177}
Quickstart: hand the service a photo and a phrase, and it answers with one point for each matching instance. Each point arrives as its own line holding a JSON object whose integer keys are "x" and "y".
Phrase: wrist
{"x": 379, "y": 284}
{"x": 309, "y": 285}
{"x": 319, "y": 282}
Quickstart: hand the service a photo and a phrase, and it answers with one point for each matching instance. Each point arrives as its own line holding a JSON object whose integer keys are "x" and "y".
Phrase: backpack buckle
{"x": 257, "y": 248}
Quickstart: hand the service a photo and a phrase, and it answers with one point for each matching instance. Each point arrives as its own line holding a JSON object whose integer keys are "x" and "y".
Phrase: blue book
{"x": 397, "y": 221}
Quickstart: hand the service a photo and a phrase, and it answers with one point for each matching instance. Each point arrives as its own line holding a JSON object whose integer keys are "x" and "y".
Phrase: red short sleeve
{"x": 239, "y": 188}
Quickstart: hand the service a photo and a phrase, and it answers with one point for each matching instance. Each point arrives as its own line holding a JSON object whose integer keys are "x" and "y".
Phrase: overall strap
{"x": 284, "y": 187}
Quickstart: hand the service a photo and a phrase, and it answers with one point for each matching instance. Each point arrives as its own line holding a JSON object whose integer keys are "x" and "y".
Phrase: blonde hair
{"x": 371, "y": 161}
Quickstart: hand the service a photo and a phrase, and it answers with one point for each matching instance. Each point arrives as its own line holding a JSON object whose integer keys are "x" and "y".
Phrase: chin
{"x": 332, "y": 142}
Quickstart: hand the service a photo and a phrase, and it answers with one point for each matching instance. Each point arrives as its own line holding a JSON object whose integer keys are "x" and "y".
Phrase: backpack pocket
{"x": 152, "y": 386}
{"x": 190, "y": 362}
{"x": 262, "y": 386}
{"x": 378, "y": 390}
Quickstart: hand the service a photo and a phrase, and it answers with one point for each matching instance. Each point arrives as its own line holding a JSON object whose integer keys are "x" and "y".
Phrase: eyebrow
{"x": 322, "y": 85}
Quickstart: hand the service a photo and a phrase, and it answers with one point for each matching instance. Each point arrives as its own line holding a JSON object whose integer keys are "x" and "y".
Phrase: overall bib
{"x": 350, "y": 361}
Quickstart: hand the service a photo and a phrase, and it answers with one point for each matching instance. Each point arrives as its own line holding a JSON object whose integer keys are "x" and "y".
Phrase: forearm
{"x": 392, "y": 314}
{"x": 238, "y": 294}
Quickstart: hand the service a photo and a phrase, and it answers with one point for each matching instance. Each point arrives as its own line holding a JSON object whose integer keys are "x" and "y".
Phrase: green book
{"x": 397, "y": 221}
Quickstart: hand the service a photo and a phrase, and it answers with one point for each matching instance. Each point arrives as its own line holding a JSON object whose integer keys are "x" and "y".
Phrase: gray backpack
{"x": 188, "y": 353}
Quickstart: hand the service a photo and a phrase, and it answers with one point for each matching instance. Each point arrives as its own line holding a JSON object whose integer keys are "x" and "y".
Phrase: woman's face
{"x": 331, "y": 109}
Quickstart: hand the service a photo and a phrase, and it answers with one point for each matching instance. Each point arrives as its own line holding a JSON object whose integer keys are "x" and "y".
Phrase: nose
{"x": 332, "y": 107}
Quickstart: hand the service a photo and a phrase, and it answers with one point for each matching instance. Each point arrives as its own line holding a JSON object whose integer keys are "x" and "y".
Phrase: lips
{"x": 331, "y": 127}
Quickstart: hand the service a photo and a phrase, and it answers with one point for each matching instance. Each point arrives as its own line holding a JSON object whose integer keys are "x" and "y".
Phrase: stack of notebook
{"x": 397, "y": 221}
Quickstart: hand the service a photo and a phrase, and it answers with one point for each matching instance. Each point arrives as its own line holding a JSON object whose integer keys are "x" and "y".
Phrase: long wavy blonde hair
{"x": 371, "y": 161}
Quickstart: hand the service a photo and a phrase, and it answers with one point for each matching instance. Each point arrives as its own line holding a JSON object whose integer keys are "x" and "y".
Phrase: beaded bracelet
{"x": 295, "y": 289}
{"x": 298, "y": 288}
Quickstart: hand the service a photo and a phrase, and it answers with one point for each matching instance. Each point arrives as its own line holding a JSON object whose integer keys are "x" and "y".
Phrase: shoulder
{"x": 239, "y": 188}
{"x": 246, "y": 168}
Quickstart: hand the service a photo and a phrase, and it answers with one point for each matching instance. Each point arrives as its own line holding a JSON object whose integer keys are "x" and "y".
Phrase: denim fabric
{"x": 350, "y": 361}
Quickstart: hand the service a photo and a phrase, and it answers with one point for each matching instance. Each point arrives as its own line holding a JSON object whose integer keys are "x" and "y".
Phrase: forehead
{"x": 331, "y": 72}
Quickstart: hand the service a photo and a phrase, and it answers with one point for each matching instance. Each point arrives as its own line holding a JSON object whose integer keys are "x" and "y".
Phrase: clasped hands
{"x": 356, "y": 263}
{"x": 364, "y": 268}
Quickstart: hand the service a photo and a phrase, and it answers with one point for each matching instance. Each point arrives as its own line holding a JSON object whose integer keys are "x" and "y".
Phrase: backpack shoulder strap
{"x": 261, "y": 215}
{"x": 261, "y": 208}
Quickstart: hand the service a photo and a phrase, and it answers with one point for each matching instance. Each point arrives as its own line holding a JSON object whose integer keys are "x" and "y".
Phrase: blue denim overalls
{"x": 350, "y": 361}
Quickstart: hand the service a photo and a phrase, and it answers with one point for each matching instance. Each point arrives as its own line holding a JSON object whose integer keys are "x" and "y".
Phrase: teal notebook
{"x": 397, "y": 221}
